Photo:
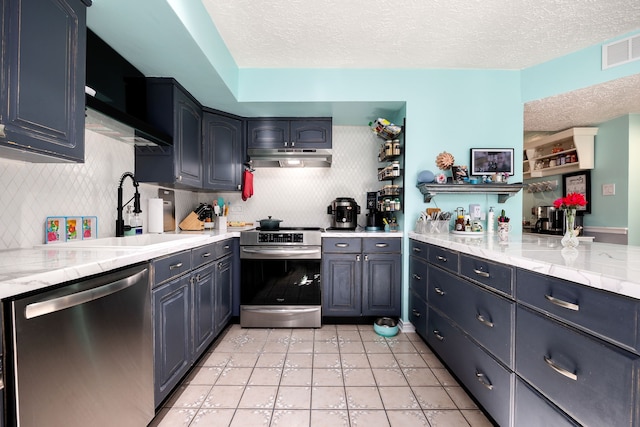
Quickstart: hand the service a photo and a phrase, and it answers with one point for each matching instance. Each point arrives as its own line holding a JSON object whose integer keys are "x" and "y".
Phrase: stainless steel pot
{"x": 270, "y": 224}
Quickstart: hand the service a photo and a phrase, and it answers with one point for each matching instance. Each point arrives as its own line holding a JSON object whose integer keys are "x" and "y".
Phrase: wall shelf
{"x": 504, "y": 191}
{"x": 575, "y": 142}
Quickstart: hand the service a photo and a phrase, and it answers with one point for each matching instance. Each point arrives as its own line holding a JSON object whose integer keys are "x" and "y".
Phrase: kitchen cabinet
{"x": 192, "y": 295}
{"x": 223, "y": 140}
{"x": 361, "y": 276}
{"x": 42, "y": 80}
{"x": 174, "y": 111}
{"x": 568, "y": 151}
{"x": 418, "y": 311}
{"x": 302, "y": 133}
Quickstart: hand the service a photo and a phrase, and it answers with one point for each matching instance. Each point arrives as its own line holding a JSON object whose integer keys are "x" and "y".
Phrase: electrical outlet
{"x": 608, "y": 189}
{"x": 236, "y": 208}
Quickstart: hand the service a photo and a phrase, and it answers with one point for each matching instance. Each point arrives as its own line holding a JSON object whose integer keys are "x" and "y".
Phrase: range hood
{"x": 289, "y": 157}
{"x": 116, "y": 97}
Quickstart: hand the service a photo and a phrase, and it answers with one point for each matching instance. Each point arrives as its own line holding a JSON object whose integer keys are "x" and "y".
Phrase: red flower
{"x": 571, "y": 201}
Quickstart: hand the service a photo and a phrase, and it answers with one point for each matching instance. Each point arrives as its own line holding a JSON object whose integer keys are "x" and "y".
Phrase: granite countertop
{"x": 614, "y": 268}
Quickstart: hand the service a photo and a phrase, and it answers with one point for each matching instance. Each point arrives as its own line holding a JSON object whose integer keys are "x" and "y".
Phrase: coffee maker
{"x": 344, "y": 213}
{"x": 374, "y": 217}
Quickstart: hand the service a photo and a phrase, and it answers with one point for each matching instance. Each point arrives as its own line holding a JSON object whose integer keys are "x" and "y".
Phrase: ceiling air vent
{"x": 620, "y": 52}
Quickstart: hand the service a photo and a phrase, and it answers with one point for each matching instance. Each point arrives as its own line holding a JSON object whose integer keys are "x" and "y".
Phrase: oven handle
{"x": 281, "y": 252}
{"x": 290, "y": 310}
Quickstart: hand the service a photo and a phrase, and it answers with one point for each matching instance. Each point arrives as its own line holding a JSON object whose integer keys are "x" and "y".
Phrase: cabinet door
{"x": 341, "y": 284}
{"x": 418, "y": 314}
{"x": 42, "y": 80}
{"x": 418, "y": 276}
{"x": 535, "y": 411}
{"x": 203, "y": 308}
{"x": 381, "y": 285}
{"x": 267, "y": 133}
{"x": 310, "y": 133}
{"x": 187, "y": 140}
{"x": 223, "y": 157}
{"x": 171, "y": 332}
{"x": 224, "y": 286}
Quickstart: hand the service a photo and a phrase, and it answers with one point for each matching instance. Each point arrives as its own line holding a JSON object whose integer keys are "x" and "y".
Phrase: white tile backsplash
{"x": 33, "y": 191}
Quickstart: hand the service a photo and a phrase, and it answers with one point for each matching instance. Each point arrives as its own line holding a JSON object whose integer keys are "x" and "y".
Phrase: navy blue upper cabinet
{"x": 174, "y": 111}
{"x": 223, "y": 151}
{"x": 289, "y": 133}
{"x": 42, "y": 80}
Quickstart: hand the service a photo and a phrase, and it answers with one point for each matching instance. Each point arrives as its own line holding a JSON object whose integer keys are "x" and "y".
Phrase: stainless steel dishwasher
{"x": 82, "y": 355}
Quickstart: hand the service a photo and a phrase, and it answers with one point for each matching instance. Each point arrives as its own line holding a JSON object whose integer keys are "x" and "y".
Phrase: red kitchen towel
{"x": 247, "y": 184}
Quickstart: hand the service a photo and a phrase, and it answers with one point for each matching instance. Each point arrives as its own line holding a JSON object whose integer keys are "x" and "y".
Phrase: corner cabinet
{"x": 223, "y": 140}
{"x": 42, "y": 80}
{"x": 361, "y": 276}
{"x": 568, "y": 151}
{"x": 174, "y": 111}
{"x": 302, "y": 133}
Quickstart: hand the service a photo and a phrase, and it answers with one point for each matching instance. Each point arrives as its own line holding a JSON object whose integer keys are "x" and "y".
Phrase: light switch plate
{"x": 608, "y": 189}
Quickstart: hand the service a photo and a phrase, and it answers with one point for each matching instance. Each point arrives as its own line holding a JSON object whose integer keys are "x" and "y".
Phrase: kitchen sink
{"x": 138, "y": 241}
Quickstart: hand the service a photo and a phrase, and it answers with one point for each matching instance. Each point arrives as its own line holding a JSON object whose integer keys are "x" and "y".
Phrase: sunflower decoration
{"x": 444, "y": 161}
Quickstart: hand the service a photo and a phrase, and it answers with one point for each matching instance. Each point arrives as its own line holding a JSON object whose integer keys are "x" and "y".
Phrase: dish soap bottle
{"x": 136, "y": 224}
{"x": 128, "y": 222}
{"x": 491, "y": 221}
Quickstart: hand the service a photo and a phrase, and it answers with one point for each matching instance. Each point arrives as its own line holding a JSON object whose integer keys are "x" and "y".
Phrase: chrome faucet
{"x": 136, "y": 203}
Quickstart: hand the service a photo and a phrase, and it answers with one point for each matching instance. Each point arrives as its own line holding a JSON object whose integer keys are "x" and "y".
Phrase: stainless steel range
{"x": 280, "y": 280}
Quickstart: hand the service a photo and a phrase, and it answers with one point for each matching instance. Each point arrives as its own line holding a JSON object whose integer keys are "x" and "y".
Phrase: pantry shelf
{"x": 504, "y": 191}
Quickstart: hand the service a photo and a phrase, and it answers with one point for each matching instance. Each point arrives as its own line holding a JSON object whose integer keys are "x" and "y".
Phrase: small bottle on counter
{"x": 128, "y": 222}
{"x": 491, "y": 220}
{"x": 136, "y": 224}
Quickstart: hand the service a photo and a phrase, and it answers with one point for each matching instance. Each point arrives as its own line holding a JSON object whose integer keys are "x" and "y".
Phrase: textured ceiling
{"x": 488, "y": 34}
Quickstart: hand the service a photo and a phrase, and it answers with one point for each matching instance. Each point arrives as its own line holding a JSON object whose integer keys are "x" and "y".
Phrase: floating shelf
{"x": 504, "y": 191}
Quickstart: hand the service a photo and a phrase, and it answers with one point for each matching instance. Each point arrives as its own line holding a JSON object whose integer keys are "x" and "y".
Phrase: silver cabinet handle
{"x": 439, "y": 291}
{"x": 366, "y": 257}
{"x": 560, "y": 370}
{"x": 482, "y": 378}
{"x": 481, "y": 273}
{"x": 174, "y": 266}
{"x": 484, "y": 321}
{"x": 415, "y": 312}
{"x": 417, "y": 277}
{"x": 357, "y": 257}
{"x": 342, "y": 245}
{"x": 437, "y": 334}
{"x": 206, "y": 255}
{"x": 441, "y": 258}
{"x": 561, "y": 303}
{"x": 222, "y": 265}
{"x": 226, "y": 247}
{"x": 417, "y": 250}
{"x": 381, "y": 245}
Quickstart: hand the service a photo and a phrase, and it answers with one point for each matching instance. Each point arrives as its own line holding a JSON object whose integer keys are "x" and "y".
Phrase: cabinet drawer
{"x": 342, "y": 245}
{"x": 592, "y": 381}
{"x": 224, "y": 248}
{"x": 613, "y": 317}
{"x": 485, "y": 316}
{"x": 418, "y": 276}
{"x": 418, "y": 314}
{"x": 443, "y": 258}
{"x": 533, "y": 410}
{"x": 203, "y": 254}
{"x": 171, "y": 266}
{"x": 488, "y": 381}
{"x": 419, "y": 249}
{"x": 496, "y": 276}
{"x": 373, "y": 245}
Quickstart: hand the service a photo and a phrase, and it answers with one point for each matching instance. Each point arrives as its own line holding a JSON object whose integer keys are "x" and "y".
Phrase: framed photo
{"x": 487, "y": 161}
{"x": 578, "y": 182}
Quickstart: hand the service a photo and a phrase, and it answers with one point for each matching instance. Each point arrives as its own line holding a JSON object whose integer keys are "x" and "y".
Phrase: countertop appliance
{"x": 344, "y": 213}
{"x": 550, "y": 220}
{"x": 82, "y": 354}
{"x": 280, "y": 281}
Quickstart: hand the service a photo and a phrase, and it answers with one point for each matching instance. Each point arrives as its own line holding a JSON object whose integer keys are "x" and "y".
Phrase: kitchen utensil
{"x": 270, "y": 224}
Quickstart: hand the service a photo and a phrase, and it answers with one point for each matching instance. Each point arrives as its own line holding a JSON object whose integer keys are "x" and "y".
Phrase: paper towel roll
{"x": 156, "y": 221}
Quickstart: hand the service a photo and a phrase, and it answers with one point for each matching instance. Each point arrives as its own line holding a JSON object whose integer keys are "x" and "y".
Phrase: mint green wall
{"x": 611, "y": 167}
{"x": 634, "y": 179}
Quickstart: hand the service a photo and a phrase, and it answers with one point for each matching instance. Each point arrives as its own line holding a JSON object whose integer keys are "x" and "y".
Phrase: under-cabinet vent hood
{"x": 116, "y": 97}
{"x": 289, "y": 157}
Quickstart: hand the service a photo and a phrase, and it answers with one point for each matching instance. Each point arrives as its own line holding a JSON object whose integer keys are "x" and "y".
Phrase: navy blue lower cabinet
{"x": 341, "y": 284}
{"x": 533, "y": 410}
{"x": 203, "y": 308}
{"x": 592, "y": 381}
{"x": 224, "y": 292}
{"x": 418, "y": 313}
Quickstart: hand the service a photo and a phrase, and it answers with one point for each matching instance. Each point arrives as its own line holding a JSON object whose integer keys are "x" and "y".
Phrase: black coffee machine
{"x": 374, "y": 217}
{"x": 344, "y": 213}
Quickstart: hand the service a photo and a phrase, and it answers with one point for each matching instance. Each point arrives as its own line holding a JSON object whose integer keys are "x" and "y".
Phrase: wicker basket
{"x": 191, "y": 223}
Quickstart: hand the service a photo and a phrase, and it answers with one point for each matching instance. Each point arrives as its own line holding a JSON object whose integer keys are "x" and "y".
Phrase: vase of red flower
{"x": 570, "y": 204}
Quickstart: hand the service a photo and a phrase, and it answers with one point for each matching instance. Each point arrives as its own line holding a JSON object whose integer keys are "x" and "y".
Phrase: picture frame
{"x": 578, "y": 182}
{"x": 487, "y": 161}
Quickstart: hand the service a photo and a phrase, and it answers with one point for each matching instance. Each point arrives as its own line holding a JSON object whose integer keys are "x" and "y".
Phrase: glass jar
{"x": 396, "y": 147}
{"x": 395, "y": 168}
{"x": 388, "y": 148}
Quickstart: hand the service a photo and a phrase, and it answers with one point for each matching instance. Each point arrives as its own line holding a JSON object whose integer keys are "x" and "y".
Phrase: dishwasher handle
{"x": 52, "y": 305}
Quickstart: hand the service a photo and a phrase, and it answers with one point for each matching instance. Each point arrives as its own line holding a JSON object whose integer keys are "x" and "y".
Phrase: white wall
{"x": 33, "y": 191}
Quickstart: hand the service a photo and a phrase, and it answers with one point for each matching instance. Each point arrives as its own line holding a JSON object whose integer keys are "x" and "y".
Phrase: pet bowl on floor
{"x": 386, "y": 326}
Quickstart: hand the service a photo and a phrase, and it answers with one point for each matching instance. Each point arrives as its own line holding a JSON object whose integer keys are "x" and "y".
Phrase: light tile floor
{"x": 338, "y": 375}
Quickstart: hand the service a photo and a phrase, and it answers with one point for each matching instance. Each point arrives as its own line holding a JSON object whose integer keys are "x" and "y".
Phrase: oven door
{"x": 280, "y": 287}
